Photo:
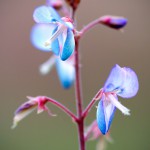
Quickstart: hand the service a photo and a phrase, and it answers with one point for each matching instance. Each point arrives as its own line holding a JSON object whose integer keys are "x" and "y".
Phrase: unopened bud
{"x": 73, "y": 4}
{"x": 57, "y": 4}
{"x": 114, "y": 22}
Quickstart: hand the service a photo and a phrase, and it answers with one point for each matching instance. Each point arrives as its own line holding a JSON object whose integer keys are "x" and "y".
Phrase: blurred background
{"x": 100, "y": 49}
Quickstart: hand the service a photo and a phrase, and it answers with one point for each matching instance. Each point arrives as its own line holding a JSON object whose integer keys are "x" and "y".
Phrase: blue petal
{"x": 105, "y": 115}
{"x": 123, "y": 80}
{"x": 40, "y": 33}
{"x": 115, "y": 79}
{"x": 130, "y": 85}
{"x": 69, "y": 45}
{"x": 45, "y": 14}
{"x": 66, "y": 73}
{"x": 55, "y": 44}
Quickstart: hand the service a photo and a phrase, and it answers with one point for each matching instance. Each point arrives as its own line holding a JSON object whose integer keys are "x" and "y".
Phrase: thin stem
{"x": 89, "y": 26}
{"x": 62, "y": 107}
{"x": 77, "y": 82}
{"x": 78, "y": 91}
{"x": 88, "y": 108}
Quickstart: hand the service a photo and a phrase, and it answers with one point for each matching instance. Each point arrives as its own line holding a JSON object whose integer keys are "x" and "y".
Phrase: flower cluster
{"x": 58, "y": 35}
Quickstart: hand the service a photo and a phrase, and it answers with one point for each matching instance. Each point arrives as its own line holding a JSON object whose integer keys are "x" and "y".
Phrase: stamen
{"x": 115, "y": 102}
{"x": 60, "y": 29}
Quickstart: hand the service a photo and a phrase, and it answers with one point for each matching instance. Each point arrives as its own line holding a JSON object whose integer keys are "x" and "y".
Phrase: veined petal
{"x": 130, "y": 85}
{"x": 66, "y": 73}
{"x": 115, "y": 79}
{"x": 105, "y": 114}
{"x": 40, "y": 33}
{"x": 45, "y": 14}
{"x": 68, "y": 46}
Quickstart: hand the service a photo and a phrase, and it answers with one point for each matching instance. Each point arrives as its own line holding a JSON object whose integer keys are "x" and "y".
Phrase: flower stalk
{"x": 79, "y": 100}
{"x": 59, "y": 35}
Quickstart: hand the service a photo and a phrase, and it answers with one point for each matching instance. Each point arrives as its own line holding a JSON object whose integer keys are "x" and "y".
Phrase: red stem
{"x": 88, "y": 108}
{"x": 80, "y": 121}
{"x": 89, "y": 26}
{"x": 61, "y": 106}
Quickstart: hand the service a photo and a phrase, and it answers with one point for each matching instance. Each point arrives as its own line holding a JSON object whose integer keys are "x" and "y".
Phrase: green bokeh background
{"x": 100, "y": 49}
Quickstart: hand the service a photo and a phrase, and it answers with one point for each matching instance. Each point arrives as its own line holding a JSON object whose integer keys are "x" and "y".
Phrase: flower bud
{"x": 73, "y": 4}
{"x": 57, "y": 4}
{"x": 114, "y": 22}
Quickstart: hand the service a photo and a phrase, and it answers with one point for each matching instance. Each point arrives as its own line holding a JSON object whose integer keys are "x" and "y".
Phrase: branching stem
{"x": 61, "y": 106}
{"x": 89, "y": 26}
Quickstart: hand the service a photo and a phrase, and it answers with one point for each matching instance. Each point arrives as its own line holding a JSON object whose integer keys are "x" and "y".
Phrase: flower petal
{"x": 45, "y": 14}
{"x": 114, "y": 100}
{"x": 122, "y": 80}
{"x": 68, "y": 46}
{"x": 105, "y": 114}
{"x": 24, "y": 110}
{"x": 115, "y": 79}
{"x": 40, "y": 33}
{"x": 66, "y": 73}
{"x": 55, "y": 44}
{"x": 46, "y": 67}
{"x": 130, "y": 85}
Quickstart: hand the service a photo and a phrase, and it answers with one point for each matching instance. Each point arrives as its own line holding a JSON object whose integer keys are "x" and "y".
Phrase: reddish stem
{"x": 89, "y": 26}
{"x": 88, "y": 108}
{"x": 61, "y": 106}
{"x": 77, "y": 82}
{"x": 80, "y": 122}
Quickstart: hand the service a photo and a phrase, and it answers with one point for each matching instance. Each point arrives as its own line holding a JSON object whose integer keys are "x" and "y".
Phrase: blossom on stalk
{"x": 121, "y": 82}
{"x": 26, "y": 108}
{"x": 52, "y": 33}
{"x": 114, "y": 22}
{"x": 65, "y": 70}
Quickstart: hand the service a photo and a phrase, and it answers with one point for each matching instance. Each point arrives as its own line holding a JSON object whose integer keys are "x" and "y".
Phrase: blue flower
{"x": 121, "y": 82}
{"x": 65, "y": 70}
{"x": 52, "y": 33}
